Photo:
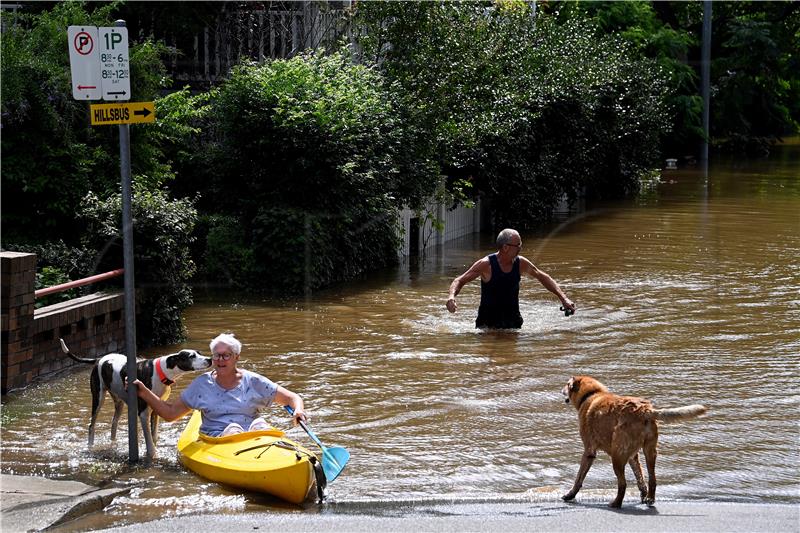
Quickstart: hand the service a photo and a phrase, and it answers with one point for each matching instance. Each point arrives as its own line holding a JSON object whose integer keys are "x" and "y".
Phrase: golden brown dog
{"x": 619, "y": 426}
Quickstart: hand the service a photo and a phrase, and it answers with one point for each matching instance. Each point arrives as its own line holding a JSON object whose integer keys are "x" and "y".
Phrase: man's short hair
{"x": 505, "y": 236}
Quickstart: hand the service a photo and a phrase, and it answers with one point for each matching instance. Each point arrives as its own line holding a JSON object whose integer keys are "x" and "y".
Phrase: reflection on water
{"x": 690, "y": 294}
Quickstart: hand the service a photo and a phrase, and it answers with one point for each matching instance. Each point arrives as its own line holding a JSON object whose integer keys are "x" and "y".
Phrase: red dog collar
{"x": 161, "y": 375}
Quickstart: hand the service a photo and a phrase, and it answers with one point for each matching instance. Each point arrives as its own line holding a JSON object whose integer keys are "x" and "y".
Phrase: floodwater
{"x": 689, "y": 294}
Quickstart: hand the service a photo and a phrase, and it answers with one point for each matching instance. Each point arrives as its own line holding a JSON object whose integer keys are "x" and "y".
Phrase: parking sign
{"x": 84, "y": 62}
{"x": 115, "y": 63}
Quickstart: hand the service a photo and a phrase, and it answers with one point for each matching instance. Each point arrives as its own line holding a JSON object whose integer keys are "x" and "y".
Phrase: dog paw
{"x": 615, "y": 504}
{"x": 568, "y": 497}
{"x": 649, "y": 501}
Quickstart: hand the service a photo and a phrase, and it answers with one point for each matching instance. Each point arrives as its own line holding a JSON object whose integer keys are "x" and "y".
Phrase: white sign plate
{"x": 115, "y": 64}
{"x": 84, "y": 62}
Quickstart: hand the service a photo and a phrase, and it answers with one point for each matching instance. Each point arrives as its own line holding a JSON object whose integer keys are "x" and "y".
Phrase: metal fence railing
{"x": 78, "y": 283}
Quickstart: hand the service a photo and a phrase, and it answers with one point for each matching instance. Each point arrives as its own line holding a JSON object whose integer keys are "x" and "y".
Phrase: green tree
{"x": 51, "y": 156}
{"x": 755, "y": 86}
{"x": 61, "y": 178}
{"x": 755, "y": 66}
{"x": 528, "y": 109}
{"x": 162, "y": 236}
{"x": 304, "y": 154}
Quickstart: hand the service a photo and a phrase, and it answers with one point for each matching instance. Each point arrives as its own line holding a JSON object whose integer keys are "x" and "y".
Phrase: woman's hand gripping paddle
{"x": 333, "y": 459}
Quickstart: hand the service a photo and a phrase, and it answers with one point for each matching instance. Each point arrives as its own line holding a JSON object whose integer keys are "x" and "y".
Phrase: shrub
{"x": 51, "y": 155}
{"x": 531, "y": 109}
{"x": 56, "y": 263}
{"x": 226, "y": 258}
{"x": 48, "y": 277}
{"x": 307, "y": 161}
{"x": 162, "y": 236}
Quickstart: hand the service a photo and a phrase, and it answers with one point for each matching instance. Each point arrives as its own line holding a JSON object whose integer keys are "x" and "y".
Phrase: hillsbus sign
{"x": 122, "y": 113}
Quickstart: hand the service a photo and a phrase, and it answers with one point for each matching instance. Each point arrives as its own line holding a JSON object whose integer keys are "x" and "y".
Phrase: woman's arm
{"x": 168, "y": 410}
{"x": 287, "y": 397}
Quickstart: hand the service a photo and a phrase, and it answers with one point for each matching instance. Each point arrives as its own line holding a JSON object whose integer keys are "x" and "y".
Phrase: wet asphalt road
{"x": 503, "y": 517}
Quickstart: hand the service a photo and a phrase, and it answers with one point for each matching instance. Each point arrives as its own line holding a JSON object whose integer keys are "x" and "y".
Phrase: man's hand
{"x": 569, "y": 305}
{"x": 451, "y": 304}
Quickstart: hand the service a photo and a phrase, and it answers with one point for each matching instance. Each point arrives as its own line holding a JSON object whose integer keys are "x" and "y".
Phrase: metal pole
{"x": 705, "y": 77}
{"x": 130, "y": 305}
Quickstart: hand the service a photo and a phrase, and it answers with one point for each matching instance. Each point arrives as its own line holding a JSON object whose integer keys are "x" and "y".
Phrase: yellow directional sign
{"x": 122, "y": 113}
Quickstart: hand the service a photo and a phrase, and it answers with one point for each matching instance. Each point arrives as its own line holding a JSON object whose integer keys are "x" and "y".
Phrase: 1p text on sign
{"x": 115, "y": 63}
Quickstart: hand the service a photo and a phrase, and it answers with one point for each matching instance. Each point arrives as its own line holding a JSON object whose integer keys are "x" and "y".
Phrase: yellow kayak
{"x": 261, "y": 461}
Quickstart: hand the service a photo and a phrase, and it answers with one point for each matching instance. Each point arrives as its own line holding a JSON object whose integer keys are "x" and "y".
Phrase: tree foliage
{"x": 162, "y": 237}
{"x": 61, "y": 177}
{"x": 755, "y": 86}
{"x": 51, "y": 156}
{"x": 304, "y": 154}
{"x": 531, "y": 109}
{"x": 755, "y": 66}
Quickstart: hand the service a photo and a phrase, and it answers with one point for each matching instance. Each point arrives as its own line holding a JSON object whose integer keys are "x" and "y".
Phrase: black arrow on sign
{"x": 117, "y": 92}
{"x": 144, "y": 112}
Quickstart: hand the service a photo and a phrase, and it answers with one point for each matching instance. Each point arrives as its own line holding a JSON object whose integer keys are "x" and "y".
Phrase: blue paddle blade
{"x": 333, "y": 459}
{"x": 333, "y": 462}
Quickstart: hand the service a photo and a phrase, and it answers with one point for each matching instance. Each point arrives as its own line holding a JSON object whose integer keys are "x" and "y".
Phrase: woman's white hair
{"x": 229, "y": 340}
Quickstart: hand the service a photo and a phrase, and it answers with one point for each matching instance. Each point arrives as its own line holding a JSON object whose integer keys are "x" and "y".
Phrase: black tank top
{"x": 500, "y": 298}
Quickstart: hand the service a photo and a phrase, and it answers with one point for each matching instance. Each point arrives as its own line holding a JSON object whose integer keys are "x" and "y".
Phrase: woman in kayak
{"x": 229, "y": 398}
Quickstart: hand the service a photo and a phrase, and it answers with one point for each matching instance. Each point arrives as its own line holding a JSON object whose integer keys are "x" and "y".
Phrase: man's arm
{"x": 526, "y": 267}
{"x": 479, "y": 269}
{"x": 168, "y": 410}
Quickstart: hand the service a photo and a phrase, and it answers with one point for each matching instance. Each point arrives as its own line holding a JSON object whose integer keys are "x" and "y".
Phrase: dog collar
{"x": 585, "y": 397}
{"x": 161, "y": 375}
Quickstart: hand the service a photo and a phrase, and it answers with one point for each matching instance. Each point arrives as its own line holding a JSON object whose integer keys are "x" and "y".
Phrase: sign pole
{"x": 705, "y": 82}
{"x": 130, "y": 305}
{"x": 100, "y": 69}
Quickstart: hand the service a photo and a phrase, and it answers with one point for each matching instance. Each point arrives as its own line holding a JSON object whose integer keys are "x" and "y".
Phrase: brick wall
{"x": 91, "y": 325}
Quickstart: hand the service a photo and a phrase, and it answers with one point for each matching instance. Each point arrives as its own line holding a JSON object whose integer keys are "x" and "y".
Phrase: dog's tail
{"x": 675, "y": 414}
{"x": 75, "y": 357}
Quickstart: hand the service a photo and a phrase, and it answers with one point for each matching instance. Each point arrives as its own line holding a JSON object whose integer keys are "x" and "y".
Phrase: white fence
{"x": 420, "y": 234}
{"x": 257, "y": 31}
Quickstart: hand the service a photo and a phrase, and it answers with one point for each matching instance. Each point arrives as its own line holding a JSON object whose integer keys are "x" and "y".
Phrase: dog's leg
{"x": 98, "y": 395}
{"x": 650, "y": 454}
{"x": 144, "y": 419}
{"x": 619, "y": 470}
{"x": 118, "y": 405}
{"x": 586, "y": 464}
{"x": 636, "y": 466}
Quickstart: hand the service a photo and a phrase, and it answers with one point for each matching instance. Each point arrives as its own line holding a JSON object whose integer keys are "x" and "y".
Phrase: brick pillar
{"x": 17, "y": 284}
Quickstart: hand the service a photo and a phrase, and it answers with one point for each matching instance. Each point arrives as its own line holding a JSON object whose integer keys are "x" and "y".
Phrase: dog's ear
{"x": 575, "y": 384}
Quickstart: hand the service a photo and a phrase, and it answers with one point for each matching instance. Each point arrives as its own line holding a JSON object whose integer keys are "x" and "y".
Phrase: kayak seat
{"x": 247, "y": 435}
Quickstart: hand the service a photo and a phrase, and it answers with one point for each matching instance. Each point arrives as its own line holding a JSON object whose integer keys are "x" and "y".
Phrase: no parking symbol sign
{"x": 84, "y": 62}
{"x": 99, "y": 63}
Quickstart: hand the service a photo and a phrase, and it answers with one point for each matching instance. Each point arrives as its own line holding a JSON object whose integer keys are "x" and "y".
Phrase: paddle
{"x": 333, "y": 459}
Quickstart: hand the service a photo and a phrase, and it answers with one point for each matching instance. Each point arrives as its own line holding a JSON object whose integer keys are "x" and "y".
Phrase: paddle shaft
{"x": 306, "y": 429}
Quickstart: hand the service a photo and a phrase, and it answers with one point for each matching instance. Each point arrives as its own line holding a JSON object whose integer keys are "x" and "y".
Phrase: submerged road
{"x": 504, "y": 517}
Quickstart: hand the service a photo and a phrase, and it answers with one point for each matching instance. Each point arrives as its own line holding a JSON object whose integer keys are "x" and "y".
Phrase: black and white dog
{"x": 110, "y": 374}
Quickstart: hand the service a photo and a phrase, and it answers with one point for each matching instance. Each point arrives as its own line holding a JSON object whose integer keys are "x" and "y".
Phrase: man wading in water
{"x": 500, "y": 274}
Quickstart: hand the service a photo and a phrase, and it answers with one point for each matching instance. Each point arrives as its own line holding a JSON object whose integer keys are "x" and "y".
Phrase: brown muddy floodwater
{"x": 689, "y": 294}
